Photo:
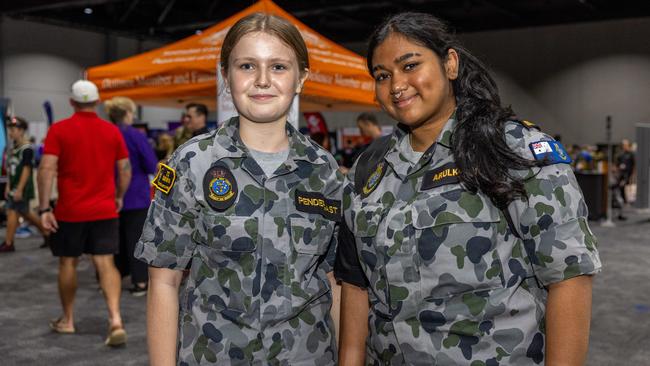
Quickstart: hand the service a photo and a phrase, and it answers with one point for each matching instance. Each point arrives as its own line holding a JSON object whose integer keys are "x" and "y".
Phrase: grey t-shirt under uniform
{"x": 269, "y": 162}
{"x": 412, "y": 156}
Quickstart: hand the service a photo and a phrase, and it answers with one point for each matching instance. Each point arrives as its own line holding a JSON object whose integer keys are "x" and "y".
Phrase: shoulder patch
{"x": 165, "y": 178}
{"x": 529, "y": 125}
{"x": 316, "y": 203}
{"x": 551, "y": 152}
{"x": 446, "y": 174}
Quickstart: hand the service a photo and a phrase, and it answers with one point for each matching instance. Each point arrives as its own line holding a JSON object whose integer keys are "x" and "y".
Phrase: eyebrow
{"x": 406, "y": 56}
{"x": 397, "y": 60}
{"x": 274, "y": 59}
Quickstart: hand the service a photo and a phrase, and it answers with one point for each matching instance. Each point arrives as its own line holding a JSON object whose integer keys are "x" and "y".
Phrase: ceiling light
{"x": 198, "y": 32}
{"x": 88, "y": 11}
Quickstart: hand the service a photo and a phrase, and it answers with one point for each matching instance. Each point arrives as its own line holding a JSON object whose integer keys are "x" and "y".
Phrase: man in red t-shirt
{"x": 83, "y": 152}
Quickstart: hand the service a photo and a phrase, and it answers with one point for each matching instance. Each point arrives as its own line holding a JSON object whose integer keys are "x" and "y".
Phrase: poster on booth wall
{"x": 351, "y": 143}
{"x": 351, "y": 138}
{"x": 226, "y": 108}
{"x": 315, "y": 123}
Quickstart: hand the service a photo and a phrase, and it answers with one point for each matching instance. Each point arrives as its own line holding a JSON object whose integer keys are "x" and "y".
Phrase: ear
{"x": 301, "y": 82}
{"x": 224, "y": 77}
{"x": 452, "y": 64}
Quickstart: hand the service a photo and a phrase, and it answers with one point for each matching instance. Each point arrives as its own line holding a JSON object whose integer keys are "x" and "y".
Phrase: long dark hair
{"x": 478, "y": 142}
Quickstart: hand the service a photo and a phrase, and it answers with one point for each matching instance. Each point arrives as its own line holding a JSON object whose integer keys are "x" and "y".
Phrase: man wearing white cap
{"x": 82, "y": 152}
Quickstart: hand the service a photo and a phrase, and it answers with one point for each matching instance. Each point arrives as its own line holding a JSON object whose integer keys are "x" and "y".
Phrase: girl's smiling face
{"x": 412, "y": 84}
{"x": 263, "y": 76}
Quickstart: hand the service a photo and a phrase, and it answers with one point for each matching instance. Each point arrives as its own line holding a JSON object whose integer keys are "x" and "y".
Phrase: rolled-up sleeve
{"x": 167, "y": 236}
{"x": 553, "y": 223}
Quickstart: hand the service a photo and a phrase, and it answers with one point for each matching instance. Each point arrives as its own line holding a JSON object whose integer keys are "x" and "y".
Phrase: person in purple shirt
{"x": 120, "y": 110}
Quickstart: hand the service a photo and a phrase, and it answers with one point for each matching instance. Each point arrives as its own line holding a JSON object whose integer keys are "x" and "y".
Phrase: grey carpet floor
{"x": 620, "y": 332}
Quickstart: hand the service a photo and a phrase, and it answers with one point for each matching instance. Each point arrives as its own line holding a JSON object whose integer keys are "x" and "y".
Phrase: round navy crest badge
{"x": 219, "y": 187}
{"x": 374, "y": 179}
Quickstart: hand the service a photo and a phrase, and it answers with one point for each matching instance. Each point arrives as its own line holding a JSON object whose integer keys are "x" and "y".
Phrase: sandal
{"x": 116, "y": 337}
{"x": 57, "y": 326}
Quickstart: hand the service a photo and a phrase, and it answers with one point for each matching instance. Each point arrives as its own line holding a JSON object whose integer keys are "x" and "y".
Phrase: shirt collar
{"x": 85, "y": 114}
{"x": 397, "y": 160}
{"x": 228, "y": 144}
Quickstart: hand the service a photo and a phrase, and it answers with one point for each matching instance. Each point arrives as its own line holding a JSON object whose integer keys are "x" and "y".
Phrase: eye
{"x": 246, "y": 66}
{"x": 411, "y": 66}
{"x": 279, "y": 67}
{"x": 381, "y": 76}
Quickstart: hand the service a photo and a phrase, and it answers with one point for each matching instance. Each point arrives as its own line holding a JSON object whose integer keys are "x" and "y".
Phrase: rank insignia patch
{"x": 219, "y": 187}
{"x": 374, "y": 179}
{"x": 314, "y": 202}
{"x": 551, "y": 152}
{"x": 446, "y": 174}
{"x": 529, "y": 124}
{"x": 165, "y": 179}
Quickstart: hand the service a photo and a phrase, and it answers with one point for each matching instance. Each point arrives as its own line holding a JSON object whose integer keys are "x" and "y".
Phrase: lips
{"x": 404, "y": 101}
{"x": 262, "y": 97}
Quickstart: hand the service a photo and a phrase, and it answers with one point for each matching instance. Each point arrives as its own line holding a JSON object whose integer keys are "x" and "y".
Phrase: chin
{"x": 406, "y": 119}
{"x": 264, "y": 118}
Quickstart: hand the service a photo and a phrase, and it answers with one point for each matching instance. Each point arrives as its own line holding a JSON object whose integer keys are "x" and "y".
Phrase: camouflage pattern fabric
{"x": 257, "y": 292}
{"x": 449, "y": 284}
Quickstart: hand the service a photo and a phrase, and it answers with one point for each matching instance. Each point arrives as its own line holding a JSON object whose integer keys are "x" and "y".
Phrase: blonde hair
{"x": 117, "y": 107}
{"x": 270, "y": 24}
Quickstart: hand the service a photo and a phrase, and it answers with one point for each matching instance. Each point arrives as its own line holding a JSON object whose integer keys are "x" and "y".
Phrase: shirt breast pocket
{"x": 371, "y": 244}
{"x": 310, "y": 236}
{"x": 456, "y": 237}
{"x": 310, "y": 239}
{"x": 227, "y": 250}
{"x": 229, "y": 233}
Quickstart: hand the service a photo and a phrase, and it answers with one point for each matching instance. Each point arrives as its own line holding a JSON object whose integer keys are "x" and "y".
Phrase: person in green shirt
{"x": 20, "y": 186}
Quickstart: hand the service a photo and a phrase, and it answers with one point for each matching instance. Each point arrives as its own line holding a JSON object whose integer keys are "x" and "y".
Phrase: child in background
{"x": 20, "y": 187}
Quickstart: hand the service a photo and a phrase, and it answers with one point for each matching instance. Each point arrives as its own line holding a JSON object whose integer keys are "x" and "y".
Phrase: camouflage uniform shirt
{"x": 257, "y": 250}
{"x": 448, "y": 282}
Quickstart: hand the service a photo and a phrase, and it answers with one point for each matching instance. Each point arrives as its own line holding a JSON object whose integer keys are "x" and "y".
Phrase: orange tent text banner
{"x": 185, "y": 71}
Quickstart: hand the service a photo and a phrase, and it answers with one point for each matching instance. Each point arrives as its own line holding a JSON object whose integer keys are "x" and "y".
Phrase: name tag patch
{"x": 165, "y": 178}
{"x": 446, "y": 174}
{"x": 316, "y": 203}
{"x": 550, "y": 151}
{"x": 219, "y": 187}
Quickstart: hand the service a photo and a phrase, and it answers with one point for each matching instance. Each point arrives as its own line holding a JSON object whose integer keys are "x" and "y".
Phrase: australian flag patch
{"x": 551, "y": 152}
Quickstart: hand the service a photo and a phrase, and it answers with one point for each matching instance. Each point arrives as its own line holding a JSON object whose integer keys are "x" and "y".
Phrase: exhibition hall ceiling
{"x": 342, "y": 21}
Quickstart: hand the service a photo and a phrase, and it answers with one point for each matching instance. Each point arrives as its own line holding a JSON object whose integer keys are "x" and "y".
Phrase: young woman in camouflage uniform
{"x": 470, "y": 238}
{"x": 251, "y": 211}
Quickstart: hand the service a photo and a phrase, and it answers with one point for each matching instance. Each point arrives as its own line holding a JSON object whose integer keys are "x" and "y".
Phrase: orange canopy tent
{"x": 186, "y": 71}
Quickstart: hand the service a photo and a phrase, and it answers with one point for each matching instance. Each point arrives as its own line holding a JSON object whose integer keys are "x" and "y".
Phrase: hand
{"x": 18, "y": 196}
{"x": 119, "y": 203}
{"x": 49, "y": 222}
{"x": 6, "y": 194}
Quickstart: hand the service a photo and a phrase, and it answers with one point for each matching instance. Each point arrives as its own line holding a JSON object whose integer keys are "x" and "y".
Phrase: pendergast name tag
{"x": 446, "y": 174}
{"x": 316, "y": 203}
